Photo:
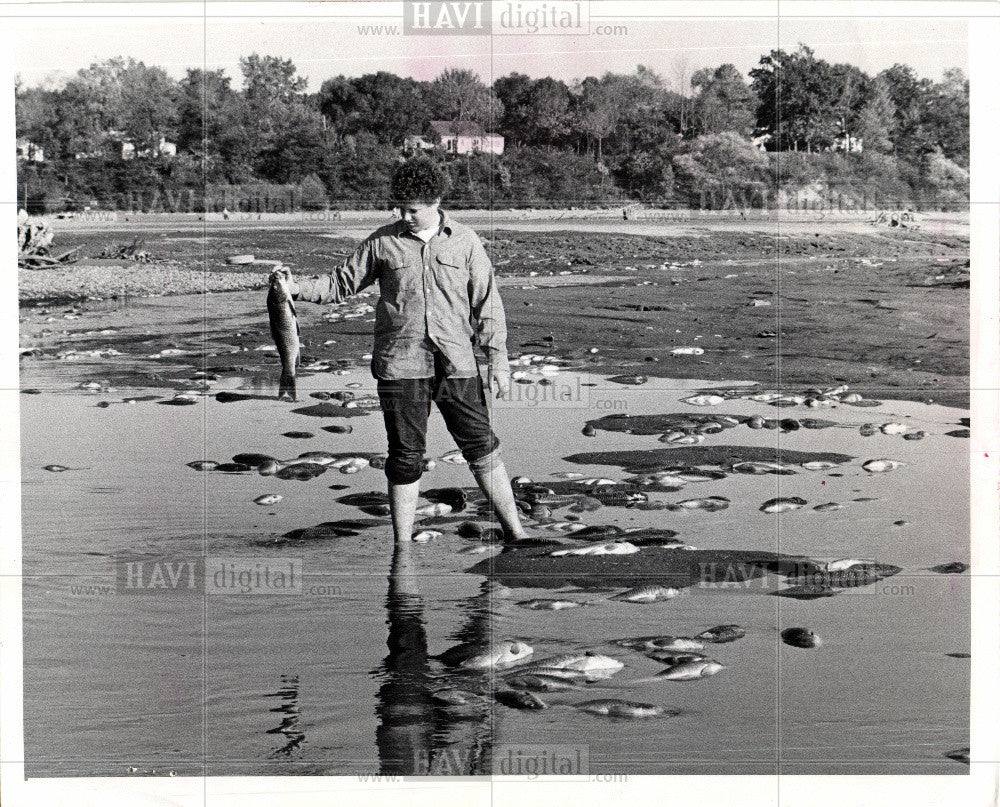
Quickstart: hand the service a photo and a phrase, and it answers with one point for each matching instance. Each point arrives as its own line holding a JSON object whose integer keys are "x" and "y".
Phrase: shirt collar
{"x": 446, "y": 225}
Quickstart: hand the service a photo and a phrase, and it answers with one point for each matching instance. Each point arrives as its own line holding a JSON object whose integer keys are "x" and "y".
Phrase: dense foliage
{"x": 697, "y": 142}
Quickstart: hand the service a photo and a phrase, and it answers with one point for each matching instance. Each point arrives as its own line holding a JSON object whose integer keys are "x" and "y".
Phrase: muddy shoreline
{"x": 886, "y": 313}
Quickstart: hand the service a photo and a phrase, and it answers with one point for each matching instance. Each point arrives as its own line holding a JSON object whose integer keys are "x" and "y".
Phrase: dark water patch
{"x": 950, "y": 568}
{"x": 337, "y": 429}
{"x": 364, "y": 499}
{"x": 808, "y": 592}
{"x": 535, "y": 568}
{"x": 329, "y": 410}
{"x": 724, "y": 457}
{"x": 253, "y": 459}
{"x": 658, "y": 424}
{"x": 232, "y": 468}
{"x": 235, "y": 397}
{"x": 328, "y": 530}
{"x": 959, "y": 433}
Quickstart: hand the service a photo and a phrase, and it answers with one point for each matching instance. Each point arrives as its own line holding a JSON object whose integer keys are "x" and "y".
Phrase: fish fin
{"x": 286, "y": 386}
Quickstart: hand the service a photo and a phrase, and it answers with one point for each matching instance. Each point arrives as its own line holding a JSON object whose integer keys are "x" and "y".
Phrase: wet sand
{"x": 288, "y": 688}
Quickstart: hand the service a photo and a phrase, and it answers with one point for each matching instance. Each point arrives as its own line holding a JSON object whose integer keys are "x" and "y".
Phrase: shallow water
{"x": 337, "y": 679}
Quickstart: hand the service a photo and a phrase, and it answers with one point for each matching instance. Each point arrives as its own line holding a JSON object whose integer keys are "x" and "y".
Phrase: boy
{"x": 438, "y": 298}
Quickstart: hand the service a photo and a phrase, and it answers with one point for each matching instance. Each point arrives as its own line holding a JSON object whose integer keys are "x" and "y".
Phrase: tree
{"x": 148, "y": 110}
{"x": 270, "y": 82}
{"x": 876, "y": 120}
{"x": 461, "y": 95}
{"x": 596, "y": 112}
{"x": 512, "y": 93}
{"x": 214, "y": 125}
{"x": 724, "y": 102}
{"x": 909, "y": 94}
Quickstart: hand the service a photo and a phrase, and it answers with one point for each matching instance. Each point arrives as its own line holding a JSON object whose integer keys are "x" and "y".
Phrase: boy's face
{"x": 418, "y": 214}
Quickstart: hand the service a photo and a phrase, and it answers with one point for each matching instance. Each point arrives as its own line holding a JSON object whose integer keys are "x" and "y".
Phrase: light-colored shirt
{"x": 435, "y": 296}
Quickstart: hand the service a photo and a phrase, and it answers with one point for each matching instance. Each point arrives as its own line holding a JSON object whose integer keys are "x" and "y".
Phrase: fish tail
{"x": 286, "y": 386}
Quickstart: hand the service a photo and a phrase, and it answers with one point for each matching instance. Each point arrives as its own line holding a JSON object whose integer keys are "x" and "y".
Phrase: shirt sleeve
{"x": 355, "y": 274}
{"x": 489, "y": 319}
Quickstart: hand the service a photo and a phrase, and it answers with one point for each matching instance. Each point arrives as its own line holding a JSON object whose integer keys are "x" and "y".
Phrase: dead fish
{"x": 298, "y": 435}
{"x": 763, "y": 468}
{"x": 60, "y": 468}
{"x": 550, "y": 605}
{"x": 818, "y": 465}
{"x": 540, "y": 682}
{"x": 519, "y": 699}
{"x": 703, "y": 400}
{"x": 473, "y": 656}
{"x": 233, "y": 468}
{"x": 721, "y": 634}
{"x": 790, "y": 424}
{"x": 950, "y": 568}
{"x": 300, "y": 471}
{"x": 614, "y": 548}
{"x": 828, "y": 507}
{"x": 800, "y": 637}
{"x": 268, "y": 498}
{"x": 711, "y": 504}
{"x": 284, "y": 331}
{"x": 253, "y": 459}
{"x": 808, "y": 592}
{"x": 335, "y": 429}
{"x": 756, "y": 422}
{"x": 782, "y": 505}
{"x": 893, "y": 428}
{"x": 424, "y": 536}
{"x": 452, "y": 697}
{"x": 634, "y": 380}
{"x": 672, "y": 657}
{"x": 589, "y": 663}
{"x": 589, "y": 431}
{"x": 882, "y": 466}
{"x": 867, "y": 429}
{"x": 680, "y": 438}
{"x": 816, "y": 423}
{"x": 698, "y": 475}
{"x": 691, "y": 670}
{"x": 681, "y": 643}
{"x": 618, "y": 708}
{"x": 203, "y": 465}
{"x": 438, "y": 509}
{"x": 644, "y": 594}
{"x": 917, "y": 435}
{"x": 567, "y": 475}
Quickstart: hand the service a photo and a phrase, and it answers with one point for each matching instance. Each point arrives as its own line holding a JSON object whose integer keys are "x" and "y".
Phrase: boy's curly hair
{"x": 418, "y": 179}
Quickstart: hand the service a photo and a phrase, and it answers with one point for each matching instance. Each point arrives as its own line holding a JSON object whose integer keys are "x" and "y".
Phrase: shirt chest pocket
{"x": 451, "y": 271}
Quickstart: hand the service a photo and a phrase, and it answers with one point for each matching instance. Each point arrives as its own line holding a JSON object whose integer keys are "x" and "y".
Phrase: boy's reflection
{"x": 418, "y": 734}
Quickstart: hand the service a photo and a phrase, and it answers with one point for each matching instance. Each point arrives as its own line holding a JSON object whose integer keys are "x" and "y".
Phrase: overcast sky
{"x": 321, "y": 48}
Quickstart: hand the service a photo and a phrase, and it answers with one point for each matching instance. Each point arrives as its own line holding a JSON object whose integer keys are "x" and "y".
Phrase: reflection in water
{"x": 289, "y": 707}
{"x": 420, "y": 731}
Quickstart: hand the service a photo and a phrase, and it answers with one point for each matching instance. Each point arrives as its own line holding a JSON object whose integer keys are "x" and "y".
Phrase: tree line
{"x": 600, "y": 139}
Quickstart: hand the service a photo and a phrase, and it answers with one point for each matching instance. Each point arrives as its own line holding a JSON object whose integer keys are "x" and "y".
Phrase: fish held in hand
{"x": 284, "y": 331}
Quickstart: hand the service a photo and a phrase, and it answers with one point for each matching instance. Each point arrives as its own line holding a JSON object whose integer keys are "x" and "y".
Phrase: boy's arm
{"x": 488, "y": 314}
{"x": 356, "y": 273}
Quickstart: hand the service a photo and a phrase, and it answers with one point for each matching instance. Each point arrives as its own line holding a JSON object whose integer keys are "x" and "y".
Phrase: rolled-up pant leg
{"x": 406, "y": 405}
{"x": 462, "y": 402}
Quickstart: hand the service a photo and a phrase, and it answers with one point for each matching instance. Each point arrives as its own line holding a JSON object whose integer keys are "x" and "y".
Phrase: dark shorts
{"x": 406, "y": 405}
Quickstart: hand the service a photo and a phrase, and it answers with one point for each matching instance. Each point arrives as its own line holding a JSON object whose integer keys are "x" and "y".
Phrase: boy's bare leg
{"x": 494, "y": 482}
{"x": 403, "y": 506}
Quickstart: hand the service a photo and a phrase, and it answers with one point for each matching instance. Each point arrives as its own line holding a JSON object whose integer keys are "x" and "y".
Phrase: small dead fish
{"x": 550, "y": 605}
{"x": 519, "y": 699}
{"x": 645, "y": 594}
{"x": 756, "y": 422}
{"x": 424, "y": 536}
{"x": 703, "y": 400}
{"x": 950, "y": 568}
{"x": 681, "y": 643}
{"x": 867, "y": 429}
{"x": 711, "y": 504}
{"x": 298, "y": 435}
{"x": 285, "y": 332}
{"x": 882, "y": 466}
{"x": 758, "y": 468}
{"x": 203, "y": 465}
{"x": 893, "y": 428}
{"x": 847, "y": 563}
{"x": 816, "y": 423}
{"x": 59, "y": 468}
{"x": 268, "y": 498}
{"x": 818, "y": 465}
{"x": 801, "y": 637}
{"x": 588, "y": 431}
{"x": 782, "y": 505}
{"x": 614, "y": 548}
{"x": 828, "y": 507}
{"x": 617, "y": 708}
{"x": 691, "y": 670}
{"x": 680, "y": 438}
{"x": 721, "y": 634}
{"x": 476, "y": 657}
{"x": 917, "y": 435}
{"x": 452, "y": 697}
{"x": 672, "y": 657}
{"x": 540, "y": 682}
{"x": 437, "y": 509}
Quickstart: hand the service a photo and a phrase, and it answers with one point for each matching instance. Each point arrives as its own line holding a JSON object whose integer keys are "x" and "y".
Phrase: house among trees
{"x": 163, "y": 148}
{"x": 32, "y": 152}
{"x": 848, "y": 143}
{"x": 414, "y": 143}
{"x": 466, "y": 137}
